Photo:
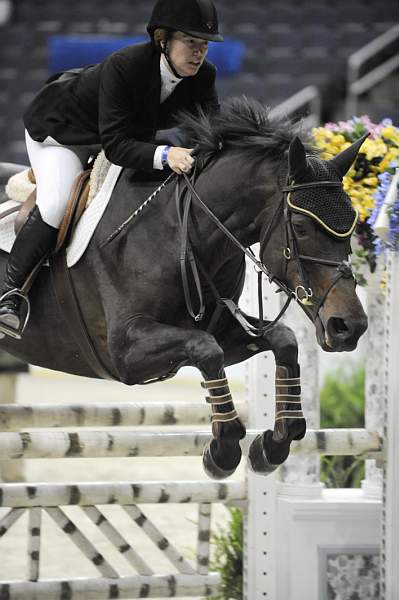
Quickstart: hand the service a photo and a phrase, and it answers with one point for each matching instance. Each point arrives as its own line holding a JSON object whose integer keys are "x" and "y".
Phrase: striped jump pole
{"x": 132, "y": 497}
{"x": 109, "y": 444}
{"x": 130, "y": 414}
{"x": 28, "y": 495}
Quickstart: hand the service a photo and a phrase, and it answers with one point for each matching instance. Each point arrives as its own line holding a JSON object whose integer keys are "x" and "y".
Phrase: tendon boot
{"x": 32, "y": 245}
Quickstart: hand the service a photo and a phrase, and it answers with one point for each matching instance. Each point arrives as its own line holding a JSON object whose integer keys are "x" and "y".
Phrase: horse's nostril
{"x": 337, "y": 326}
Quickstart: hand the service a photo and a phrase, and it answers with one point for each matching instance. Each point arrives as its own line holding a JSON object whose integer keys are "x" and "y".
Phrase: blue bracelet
{"x": 164, "y": 156}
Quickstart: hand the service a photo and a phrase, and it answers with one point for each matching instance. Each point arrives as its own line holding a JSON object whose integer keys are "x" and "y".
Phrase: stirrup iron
{"x": 11, "y": 331}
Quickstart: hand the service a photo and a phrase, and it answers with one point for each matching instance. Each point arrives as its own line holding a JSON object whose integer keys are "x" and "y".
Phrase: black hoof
{"x": 221, "y": 460}
{"x": 265, "y": 454}
{"x": 259, "y": 460}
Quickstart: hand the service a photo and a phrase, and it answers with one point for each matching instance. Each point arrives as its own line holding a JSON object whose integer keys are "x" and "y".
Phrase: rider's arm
{"x": 119, "y": 117}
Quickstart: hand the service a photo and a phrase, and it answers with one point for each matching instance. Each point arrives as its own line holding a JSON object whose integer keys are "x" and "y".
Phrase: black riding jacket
{"x": 116, "y": 104}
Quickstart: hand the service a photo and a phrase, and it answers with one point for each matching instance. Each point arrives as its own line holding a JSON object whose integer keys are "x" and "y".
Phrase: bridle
{"x": 303, "y": 293}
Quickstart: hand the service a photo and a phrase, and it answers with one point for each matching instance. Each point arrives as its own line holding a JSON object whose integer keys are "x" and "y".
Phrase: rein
{"x": 228, "y": 302}
{"x": 303, "y": 294}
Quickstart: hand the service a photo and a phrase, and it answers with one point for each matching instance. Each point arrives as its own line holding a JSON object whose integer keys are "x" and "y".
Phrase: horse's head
{"x": 308, "y": 249}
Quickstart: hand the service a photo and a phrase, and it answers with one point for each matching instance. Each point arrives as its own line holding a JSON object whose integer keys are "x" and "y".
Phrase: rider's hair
{"x": 162, "y": 35}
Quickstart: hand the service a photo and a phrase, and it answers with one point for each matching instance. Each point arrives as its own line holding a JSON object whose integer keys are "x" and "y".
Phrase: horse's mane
{"x": 242, "y": 124}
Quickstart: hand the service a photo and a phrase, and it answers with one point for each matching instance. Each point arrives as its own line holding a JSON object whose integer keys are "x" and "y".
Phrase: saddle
{"x": 76, "y": 205}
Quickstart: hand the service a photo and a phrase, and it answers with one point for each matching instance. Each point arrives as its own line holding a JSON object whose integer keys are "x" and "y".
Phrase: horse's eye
{"x": 300, "y": 227}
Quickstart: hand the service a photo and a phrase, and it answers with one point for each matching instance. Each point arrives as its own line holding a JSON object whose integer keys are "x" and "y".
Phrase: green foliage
{"x": 342, "y": 405}
{"x": 342, "y": 398}
{"x": 228, "y": 556}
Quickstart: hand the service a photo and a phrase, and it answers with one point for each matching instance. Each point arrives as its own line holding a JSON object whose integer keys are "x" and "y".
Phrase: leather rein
{"x": 303, "y": 293}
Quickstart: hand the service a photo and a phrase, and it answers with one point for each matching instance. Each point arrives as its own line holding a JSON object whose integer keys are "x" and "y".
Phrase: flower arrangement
{"x": 369, "y": 178}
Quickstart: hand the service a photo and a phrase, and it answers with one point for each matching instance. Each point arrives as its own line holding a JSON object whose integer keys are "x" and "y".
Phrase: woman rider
{"x": 120, "y": 104}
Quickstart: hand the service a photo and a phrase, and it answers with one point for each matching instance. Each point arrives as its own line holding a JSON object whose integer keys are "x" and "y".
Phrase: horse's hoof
{"x": 219, "y": 471}
{"x": 265, "y": 455}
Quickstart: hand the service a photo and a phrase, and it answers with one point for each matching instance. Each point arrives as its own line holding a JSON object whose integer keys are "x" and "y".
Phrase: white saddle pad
{"x": 84, "y": 229}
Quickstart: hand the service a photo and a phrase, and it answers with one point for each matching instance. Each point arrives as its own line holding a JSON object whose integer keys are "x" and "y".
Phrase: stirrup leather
{"x": 15, "y": 333}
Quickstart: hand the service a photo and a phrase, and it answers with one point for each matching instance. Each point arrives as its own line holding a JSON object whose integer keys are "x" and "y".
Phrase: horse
{"x": 160, "y": 291}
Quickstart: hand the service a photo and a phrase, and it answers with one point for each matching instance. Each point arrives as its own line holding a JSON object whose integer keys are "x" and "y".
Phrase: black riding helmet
{"x": 195, "y": 17}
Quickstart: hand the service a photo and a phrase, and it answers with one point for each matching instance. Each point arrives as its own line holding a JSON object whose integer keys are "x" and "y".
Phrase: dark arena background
{"x": 108, "y": 479}
{"x": 273, "y": 50}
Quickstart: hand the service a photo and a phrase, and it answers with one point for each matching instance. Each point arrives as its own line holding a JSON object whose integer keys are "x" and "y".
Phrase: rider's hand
{"x": 180, "y": 159}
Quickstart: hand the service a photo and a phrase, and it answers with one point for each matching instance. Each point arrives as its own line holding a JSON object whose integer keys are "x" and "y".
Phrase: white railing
{"x": 357, "y": 84}
{"x": 307, "y": 98}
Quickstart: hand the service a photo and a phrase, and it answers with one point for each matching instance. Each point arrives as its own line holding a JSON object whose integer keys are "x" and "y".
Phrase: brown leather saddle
{"x": 75, "y": 208}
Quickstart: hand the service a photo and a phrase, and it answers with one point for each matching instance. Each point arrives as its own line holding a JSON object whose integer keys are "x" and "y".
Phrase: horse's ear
{"x": 297, "y": 163}
{"x": 342, "y": 162}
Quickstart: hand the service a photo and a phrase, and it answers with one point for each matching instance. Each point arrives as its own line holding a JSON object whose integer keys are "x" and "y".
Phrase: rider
{"x": 119, "y": 104}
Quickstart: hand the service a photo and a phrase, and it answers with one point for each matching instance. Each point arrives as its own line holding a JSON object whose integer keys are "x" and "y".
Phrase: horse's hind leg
{"x": 147, "y": 349}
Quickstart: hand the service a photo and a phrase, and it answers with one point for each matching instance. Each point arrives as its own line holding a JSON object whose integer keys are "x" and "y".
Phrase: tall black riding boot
{"x": 33, "y": 243}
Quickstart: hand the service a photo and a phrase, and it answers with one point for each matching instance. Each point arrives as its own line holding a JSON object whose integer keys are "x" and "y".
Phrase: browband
{"x": 301, "y": 186}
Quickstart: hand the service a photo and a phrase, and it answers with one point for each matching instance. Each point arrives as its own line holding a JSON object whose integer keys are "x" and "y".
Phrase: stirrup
{"x": 11, "y": 331}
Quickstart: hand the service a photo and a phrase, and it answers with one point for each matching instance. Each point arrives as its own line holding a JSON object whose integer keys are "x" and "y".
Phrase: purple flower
{"x": 385, "y": 180}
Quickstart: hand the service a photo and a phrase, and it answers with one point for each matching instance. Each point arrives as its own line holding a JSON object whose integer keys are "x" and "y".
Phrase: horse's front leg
{"x": 271, "y": 448}
{"x": 147, "y": 349}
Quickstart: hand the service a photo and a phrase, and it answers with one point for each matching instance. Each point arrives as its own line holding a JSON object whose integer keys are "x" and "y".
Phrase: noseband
{"x": 303, "y": 293}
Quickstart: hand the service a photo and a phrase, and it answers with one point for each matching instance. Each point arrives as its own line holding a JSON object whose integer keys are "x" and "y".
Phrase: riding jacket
{"x": 116, "y": 104}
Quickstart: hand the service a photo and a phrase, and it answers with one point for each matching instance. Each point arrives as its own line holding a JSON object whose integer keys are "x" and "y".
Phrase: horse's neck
{"x": 238, "y": 191}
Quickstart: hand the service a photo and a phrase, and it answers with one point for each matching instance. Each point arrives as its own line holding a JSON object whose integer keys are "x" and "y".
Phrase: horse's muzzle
{"x": 339, "y": 334}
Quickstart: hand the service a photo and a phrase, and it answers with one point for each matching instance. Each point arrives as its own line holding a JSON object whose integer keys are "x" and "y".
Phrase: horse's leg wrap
{"x": 222, "y": 454}
{"x": 271, "y": 448}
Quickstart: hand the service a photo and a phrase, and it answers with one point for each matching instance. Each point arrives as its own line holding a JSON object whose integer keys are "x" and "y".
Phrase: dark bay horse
{"x": 265, "y": 186}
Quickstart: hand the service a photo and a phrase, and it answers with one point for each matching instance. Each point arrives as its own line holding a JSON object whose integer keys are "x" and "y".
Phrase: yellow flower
{"x": 337, "y": 140}
{"x": 373, "y": 149}
{"x": 391, "y": 133}
{"x": 391, "y": 155}
{"x": 371, "y": 181}
{"x": 382, "y": 150}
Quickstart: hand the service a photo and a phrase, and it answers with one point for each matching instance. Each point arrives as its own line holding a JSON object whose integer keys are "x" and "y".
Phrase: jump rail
{"x": 154, "y": 586}
{"x": 116, "y": 440}
{"x": 21, "y": 495}
{"x": 18, "y": 416}
{"x": 96, "y": 444}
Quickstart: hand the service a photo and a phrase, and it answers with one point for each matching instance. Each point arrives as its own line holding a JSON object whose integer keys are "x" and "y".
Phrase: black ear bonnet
{"x": 330, "y": 207}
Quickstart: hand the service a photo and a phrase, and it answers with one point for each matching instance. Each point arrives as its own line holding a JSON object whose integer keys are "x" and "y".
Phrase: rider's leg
{"x": 32, "y": 243}
{"x": 55, "y": 169}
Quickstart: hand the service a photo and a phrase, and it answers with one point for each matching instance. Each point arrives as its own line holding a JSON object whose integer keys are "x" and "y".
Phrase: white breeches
{"x": 55, "y": 168}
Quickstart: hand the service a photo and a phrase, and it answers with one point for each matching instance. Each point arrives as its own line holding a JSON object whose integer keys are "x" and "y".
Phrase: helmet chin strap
{"x": 164, "y": 51}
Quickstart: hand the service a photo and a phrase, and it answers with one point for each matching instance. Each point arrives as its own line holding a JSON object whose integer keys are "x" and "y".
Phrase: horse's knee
{"x": 285, "y": 346}
{"x": 204, "y": 352}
